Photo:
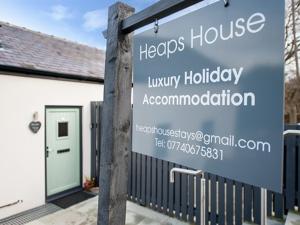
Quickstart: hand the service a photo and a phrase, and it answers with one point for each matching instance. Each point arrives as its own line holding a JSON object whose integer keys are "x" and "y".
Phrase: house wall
{"x": 22, "y": 153}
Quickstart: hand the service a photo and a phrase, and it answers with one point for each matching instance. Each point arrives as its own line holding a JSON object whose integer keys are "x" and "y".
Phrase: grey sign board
{"x": 208, "y": 91}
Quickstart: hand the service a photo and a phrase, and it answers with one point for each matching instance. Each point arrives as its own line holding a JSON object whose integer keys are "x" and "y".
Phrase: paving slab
{"x": 293, "y": 218}
{"x": 85, "y": 213}
{"x": 270, "y": 221}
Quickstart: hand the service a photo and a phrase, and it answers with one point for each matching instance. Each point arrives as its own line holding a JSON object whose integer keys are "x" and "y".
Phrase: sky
{"x": 81, "y": 21}
{"x": 78, "y": 20}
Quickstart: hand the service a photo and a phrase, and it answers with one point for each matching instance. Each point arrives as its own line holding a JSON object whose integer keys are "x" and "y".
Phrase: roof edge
{"x": 50, "y": 74}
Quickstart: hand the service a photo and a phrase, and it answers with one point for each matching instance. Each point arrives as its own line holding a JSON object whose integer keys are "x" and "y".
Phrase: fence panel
{"x": 229, "y": 201}
{"x": 256, "y": 204}
{"x": 191, "y": 198}
{"x": 177, "y": 193}
{"x": 129, "y": 182}
{"x": 148, "y": 180}
{"x": 238, "y": 203}
{"x": 221, "y": 200}
{"x": 143, "y": 180}
{"x": 298, "y": 170}
{"x": 165, "y": 186}
{"x": 184, "y": 196}
{"x": 198, "y": 202}
{"x": 213, "y": 199}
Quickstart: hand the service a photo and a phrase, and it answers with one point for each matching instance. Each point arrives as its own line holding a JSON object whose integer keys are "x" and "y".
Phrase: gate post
{"x": 116, "y": 120}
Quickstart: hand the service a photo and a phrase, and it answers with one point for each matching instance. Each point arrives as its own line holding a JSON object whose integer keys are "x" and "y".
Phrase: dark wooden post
{"x": 116, "y": 119}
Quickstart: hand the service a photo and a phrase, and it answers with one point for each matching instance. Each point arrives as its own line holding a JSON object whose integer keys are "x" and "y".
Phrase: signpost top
{"x": 158, "y": 10}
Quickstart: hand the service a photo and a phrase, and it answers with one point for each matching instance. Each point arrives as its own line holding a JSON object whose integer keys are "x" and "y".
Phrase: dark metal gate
{"x": 227, "y": 201}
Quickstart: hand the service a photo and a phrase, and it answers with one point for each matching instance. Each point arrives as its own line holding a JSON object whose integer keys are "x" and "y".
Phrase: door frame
{"x": 76, "y": 189}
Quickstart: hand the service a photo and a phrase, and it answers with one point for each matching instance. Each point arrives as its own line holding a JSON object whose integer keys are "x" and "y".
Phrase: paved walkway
{"x": 293, "y": 218}
{"x": 85, "y": 213}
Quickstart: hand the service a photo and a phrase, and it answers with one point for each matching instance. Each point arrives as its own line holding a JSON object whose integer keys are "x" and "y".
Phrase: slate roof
{"x": 24, "y": 48}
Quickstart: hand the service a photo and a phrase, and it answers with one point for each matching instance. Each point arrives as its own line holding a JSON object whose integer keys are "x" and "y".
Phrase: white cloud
{"x": 60, "y": 12}
{"x": 96, "y": 19}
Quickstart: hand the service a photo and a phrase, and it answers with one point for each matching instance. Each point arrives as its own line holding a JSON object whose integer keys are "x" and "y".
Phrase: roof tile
{"x": 29, "y": 49}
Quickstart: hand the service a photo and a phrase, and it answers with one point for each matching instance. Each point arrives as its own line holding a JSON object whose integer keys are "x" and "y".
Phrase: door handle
{"x": 47, "y": 151}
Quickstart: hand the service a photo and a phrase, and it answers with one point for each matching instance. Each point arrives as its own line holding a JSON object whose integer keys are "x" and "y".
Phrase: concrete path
{"x": 293, "y": 218}
{"x": 269, "y": 222}
{"x": 85, "y": 213}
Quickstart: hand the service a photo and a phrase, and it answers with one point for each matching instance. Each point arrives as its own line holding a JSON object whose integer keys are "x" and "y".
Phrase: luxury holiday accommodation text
{"x": 237, "y": 29}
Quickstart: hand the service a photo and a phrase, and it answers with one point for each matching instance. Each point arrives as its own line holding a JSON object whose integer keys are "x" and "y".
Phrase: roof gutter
{"x": 49, "y": 74}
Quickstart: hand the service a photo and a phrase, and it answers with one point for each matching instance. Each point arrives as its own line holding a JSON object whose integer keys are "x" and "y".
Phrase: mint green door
{"x": 62, "y": 149}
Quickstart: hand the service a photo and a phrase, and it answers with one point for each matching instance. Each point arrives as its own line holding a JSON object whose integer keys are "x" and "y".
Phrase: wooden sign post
{"x": 116, "y": 120}
{"x": 116, "y": 114}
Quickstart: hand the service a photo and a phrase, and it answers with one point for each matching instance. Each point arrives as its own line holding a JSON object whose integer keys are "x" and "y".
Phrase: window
{"x": 63, "y": 129}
